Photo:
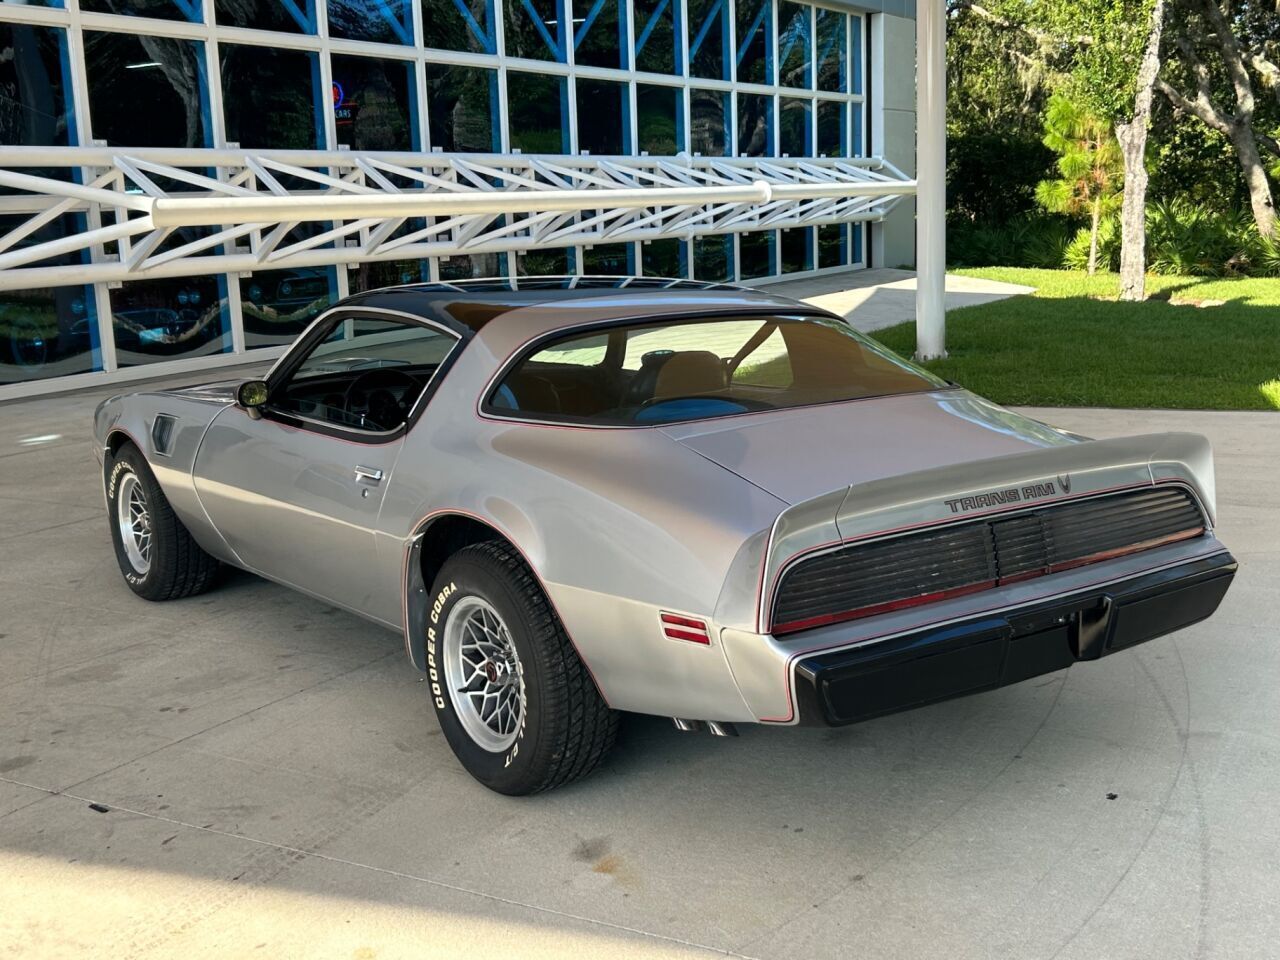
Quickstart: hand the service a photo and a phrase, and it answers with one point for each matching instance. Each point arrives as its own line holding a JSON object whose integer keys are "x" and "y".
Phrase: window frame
{"x": 288, "y": 364}
{"x": 487, "y": 411}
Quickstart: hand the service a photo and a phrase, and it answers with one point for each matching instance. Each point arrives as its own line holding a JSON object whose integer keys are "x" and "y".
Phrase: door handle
{"x": 368, "y": 475}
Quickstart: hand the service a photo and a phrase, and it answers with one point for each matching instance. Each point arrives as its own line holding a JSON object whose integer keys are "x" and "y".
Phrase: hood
{"x": 804, "y": 452}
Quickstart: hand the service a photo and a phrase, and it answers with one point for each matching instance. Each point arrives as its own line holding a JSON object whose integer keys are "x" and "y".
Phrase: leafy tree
{"x": 1090, "y": 167}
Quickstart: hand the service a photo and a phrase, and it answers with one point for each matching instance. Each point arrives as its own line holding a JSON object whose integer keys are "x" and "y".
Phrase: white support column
{"x": 931, "y": 177}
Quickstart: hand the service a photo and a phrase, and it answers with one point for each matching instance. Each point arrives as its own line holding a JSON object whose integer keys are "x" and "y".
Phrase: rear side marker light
{"x": 676, "y": 627}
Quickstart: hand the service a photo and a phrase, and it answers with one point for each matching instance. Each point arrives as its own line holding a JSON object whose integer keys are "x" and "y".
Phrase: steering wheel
{"x": 369, "y": 397}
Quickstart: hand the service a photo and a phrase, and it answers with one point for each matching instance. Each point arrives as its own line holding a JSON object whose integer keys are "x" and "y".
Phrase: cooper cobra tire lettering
{"x": 433, "y": 672}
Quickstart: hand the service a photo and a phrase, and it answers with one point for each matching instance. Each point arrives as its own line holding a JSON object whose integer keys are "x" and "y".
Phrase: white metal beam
{"x": 931, "y": 174}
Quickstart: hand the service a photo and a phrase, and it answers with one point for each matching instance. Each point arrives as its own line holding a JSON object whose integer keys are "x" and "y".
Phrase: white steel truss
{"x": 169, "y": 213}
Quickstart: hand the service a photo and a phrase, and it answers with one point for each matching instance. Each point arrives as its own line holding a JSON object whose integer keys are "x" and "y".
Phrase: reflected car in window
{"x": 575, "y": 497}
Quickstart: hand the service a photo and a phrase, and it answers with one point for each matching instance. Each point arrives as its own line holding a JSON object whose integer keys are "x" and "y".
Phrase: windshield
{"x": 696, "y": 369}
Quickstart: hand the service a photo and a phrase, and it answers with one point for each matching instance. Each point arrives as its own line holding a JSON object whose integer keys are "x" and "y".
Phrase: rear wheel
{"x": 514, "y": 700}
{"x": 157, "y": 556}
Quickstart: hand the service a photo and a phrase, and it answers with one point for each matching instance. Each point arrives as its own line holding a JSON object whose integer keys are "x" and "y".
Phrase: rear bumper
{"x": 987, "y": 652}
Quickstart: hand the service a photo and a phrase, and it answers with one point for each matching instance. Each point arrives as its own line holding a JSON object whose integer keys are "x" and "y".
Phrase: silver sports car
{"x": 577, "y": 497}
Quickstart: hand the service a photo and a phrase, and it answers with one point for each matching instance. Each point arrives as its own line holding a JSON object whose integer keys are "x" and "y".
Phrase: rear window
{"x": 668, "y": 372}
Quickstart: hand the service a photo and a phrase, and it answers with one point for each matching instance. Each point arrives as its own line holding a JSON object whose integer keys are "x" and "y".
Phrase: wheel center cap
{"x": 491, "y": 671}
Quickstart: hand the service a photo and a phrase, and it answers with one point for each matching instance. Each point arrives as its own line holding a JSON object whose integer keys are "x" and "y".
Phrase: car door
{"x": 295, "y": 487}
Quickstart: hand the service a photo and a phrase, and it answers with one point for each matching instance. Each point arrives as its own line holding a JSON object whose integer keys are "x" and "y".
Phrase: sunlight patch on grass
{"x": 1271, "y": 392}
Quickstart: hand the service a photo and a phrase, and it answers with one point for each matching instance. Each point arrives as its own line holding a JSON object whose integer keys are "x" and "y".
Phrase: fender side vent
{"x": 162, "y": 434}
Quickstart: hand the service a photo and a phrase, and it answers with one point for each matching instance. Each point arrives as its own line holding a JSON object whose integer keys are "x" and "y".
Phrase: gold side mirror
{"x": 252, "y": 395}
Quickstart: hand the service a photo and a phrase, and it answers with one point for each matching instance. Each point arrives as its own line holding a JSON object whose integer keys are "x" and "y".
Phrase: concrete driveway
{"x": 250, "y": 773}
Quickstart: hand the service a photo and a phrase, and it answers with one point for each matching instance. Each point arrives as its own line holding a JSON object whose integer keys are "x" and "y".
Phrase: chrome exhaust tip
{"x": 686, "y": 726}
{"x": 719, "y": 729}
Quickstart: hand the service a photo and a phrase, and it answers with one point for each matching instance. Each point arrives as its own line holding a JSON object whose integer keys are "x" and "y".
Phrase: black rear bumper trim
{"x": 987, "y": 652}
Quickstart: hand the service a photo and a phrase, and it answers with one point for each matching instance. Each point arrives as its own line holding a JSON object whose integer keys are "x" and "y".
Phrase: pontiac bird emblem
{"x": 1064, "y": 482}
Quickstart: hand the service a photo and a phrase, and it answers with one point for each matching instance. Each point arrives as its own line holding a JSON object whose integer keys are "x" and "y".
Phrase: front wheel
{"x": 514, "y": 700}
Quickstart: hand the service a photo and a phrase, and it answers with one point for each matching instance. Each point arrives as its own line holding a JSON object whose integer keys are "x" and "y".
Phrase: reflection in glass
{"x": 473, "y": 265}
{"x": 713, "y": 258}
{"x": 797, "y": 249}
{"x": 379, "y": 21}
{"x": 35, "y": 108}
{"x": 604, "y": 117}
{"x": 600, "y": 34}
{"x": 833, "y": 245}
{"x": 709, "y": 50}
{"x": 855, "y": 44}
{"x": 755, "y": 251}
{"x": 270, "y": 97}
{"x": 830, "y": 34}
{"x": 659, "y": 129}
{"x": 147, "y": 91}
{"x": 462, "y": 108}
{"x": 755, "y": 125}
{"x": 459, "y": 25}
{"x": 755, "y": 41}
{"x": 610, "y": 259}
{"x": 536, "y": 121}
{"x": 277, "y": 305}
{"x": 858, "y": 232}
{"x": 795, "y": 127}
{"x": 709, "y": 123}
{"x": 374, "y": 103}
{"x": 795, "y": 47}
{"x": 386, "y": 273}
{"x": 289, "y": 16}
{"x": 657, "y": 36}
{"x": 856, "y": 129}
{"x": 535, "y": 29}
{"x": 665, "y": 258}
{"x": 52, "y": 332}
{"x": 154, "y": 320}
{"x": 548, "y": 263}
{"x": 831, "y": 128}
{"x": 162, "y": 9}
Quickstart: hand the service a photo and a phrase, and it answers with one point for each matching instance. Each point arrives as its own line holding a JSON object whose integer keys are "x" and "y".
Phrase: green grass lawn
{"x": 1072, "y": 344}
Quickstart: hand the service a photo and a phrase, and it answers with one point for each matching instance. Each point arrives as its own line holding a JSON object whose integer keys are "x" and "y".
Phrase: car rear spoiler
{"x": 980, "y": 487}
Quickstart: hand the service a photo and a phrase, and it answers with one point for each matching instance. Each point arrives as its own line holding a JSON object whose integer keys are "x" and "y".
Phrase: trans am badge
{"x": 1032, "y": 491}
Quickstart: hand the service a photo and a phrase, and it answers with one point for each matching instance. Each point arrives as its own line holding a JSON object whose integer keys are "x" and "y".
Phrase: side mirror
{"x": 252, "y": 395}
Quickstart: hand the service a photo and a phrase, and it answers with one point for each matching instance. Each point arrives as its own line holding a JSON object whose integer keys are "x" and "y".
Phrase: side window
{"x": 367, "y": 374}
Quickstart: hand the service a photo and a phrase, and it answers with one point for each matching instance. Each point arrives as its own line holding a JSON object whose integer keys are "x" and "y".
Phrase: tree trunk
{"x": 1133, "y": 144}
{"x": 1255, "y": 178}
{"x": 1093, "y": 236}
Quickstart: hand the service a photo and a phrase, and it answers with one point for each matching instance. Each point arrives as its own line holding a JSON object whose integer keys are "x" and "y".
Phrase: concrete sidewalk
{"x": 875, "y": 299}
{"x": 253, "y": 773}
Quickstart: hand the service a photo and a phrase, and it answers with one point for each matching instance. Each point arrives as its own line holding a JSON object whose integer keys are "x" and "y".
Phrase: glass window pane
{"x": 379, "y": 21}
{"x": 797, "y": 249}
{"x": 386, "y": 273}
{"x": 459, "y": 25}
{"x": 610, "y": 259}
{"x": 52, "y": 332}
{"x": 289, "y": 16}
{"x": 833, "y": 245}
{"x": 462, "y": 108}
{"x": 604, "y": 117}
{"x": 857, "y": 231}
{"x": 161, "y": 9}
{"x": 35, "y": 106}
{"x": 830, "y": 34}
{"x": 657, "y": 38}
{"x": 755, "y": 41}
{"x": 277, "y": 305}
{"x": 709, "y": 125}
{"x": 155, "y": 320}
{"x": 855, "y": 43}
{"x": 599, "y": 34}
{"x": 795, "y": 45}
{"x": 374, "y": 103}
{"x": 795, "y": 127}
{"x": 535, "y": 29}
{"x": 756, "y": 253}
{"x": 665, "y": 258}
{"x": 659, "y": 126}
{"x": 536, "y": 114}
{"x": 713, "y": 257}
{"x": 473, "y": 265}
{"x": 709, "y": 53}
{"x": 147, "y": 91}
{"x": 544, "y": 263}
{"x": 856, "y": 130}
{"x": 270, "y": 97}
{"x": 832, "y": 128}
{"x": 755, "y": 125}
